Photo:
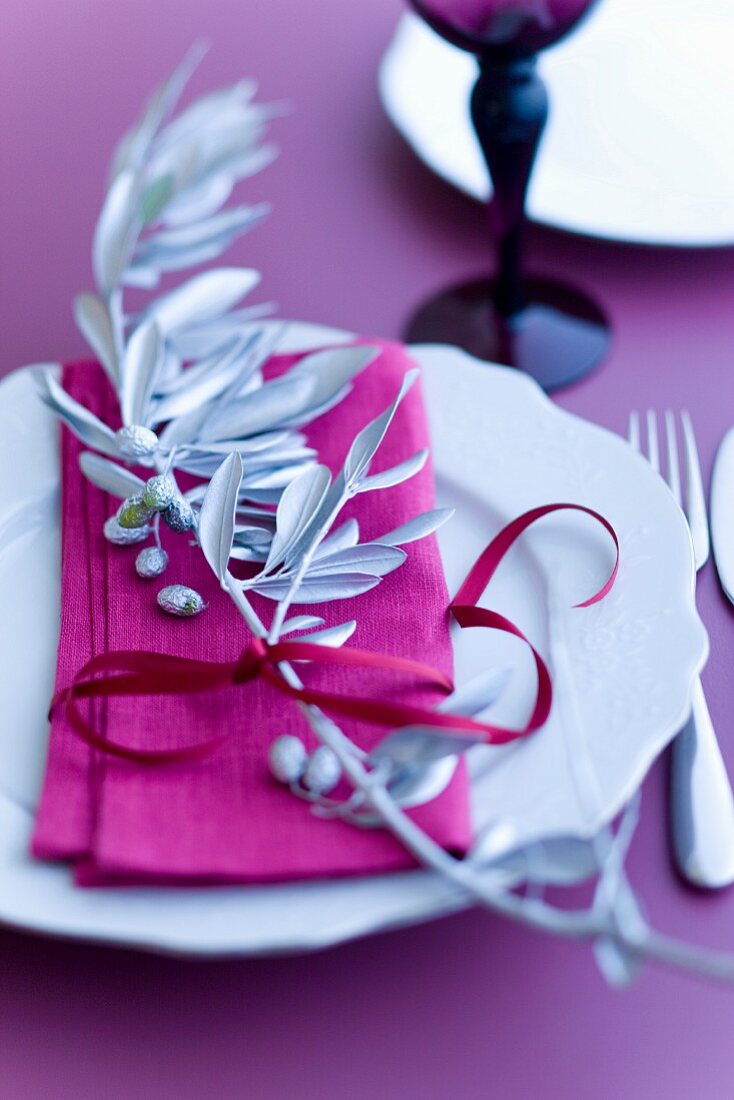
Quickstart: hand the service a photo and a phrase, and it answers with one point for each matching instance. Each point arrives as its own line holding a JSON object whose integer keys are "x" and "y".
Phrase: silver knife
{"x": 722, "y": 513}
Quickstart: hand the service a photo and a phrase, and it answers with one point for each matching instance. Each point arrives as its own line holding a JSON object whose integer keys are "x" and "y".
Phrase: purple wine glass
{"x": 549, "y": 329}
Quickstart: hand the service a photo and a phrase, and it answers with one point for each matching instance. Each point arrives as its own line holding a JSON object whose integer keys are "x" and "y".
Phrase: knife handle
{"x": 702, "y": 805}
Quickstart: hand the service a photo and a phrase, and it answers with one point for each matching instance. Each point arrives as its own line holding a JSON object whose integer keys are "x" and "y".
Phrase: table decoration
{"x": 252, "y": 830}
{"x": 182, "y": 421}
{"x": 300, "y": 523}
{"x": 552, "y": 330}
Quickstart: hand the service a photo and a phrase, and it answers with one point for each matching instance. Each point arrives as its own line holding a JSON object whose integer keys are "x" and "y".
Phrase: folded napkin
{"x": 223, "y": 818}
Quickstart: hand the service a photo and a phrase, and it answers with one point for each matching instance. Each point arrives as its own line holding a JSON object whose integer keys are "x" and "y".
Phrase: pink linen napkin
{"x": 223, "y": 819}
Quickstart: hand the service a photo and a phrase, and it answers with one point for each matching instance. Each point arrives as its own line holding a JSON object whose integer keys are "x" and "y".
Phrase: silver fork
{"x": 701, "y": 801}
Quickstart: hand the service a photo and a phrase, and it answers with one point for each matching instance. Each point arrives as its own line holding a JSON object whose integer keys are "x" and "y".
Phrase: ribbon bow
{"x": 133, "y": 672}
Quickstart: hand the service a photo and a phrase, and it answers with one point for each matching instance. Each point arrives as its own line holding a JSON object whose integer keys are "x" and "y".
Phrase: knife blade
{"x": 721, "y": 513}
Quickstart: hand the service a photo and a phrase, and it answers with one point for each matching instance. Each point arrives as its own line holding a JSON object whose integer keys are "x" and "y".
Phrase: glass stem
{"x": 509, "y": 108}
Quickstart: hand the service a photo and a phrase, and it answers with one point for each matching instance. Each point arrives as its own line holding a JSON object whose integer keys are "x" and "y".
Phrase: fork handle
{"x": 701, "y": 802}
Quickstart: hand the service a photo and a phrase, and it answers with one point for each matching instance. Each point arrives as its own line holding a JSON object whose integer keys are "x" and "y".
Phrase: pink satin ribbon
{"x": 147, "y": 673}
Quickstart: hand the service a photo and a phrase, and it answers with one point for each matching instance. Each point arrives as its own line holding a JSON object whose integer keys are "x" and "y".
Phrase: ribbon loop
{"x": 137, "y": 673}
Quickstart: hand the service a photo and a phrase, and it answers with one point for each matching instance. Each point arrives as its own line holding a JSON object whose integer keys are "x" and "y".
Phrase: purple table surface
{"x": 469, "y": 1006}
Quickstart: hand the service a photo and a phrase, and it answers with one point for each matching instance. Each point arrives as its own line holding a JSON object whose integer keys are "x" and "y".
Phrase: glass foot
{"x": 557, "y": 338}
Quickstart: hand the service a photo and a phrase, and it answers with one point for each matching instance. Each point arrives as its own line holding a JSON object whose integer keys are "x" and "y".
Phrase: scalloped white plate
{"x": 622, "y": 669}
{"x": 639, "y": 145}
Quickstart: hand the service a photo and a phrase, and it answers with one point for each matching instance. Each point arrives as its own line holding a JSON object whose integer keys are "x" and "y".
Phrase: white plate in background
{"x": 639, "y": 145}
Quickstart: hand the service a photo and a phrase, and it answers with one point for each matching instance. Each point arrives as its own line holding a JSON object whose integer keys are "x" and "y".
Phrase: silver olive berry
{"x": 133, "y": 512}
{"x": 179, "y": 600}
{"x": 287, "y": 758}
{"x": 179, "y": 515}
{"x": 135, "y": 441}
{"x": 322, "y": 772}
{"x": 151, "y": 562}
{"x": 124, "y": 536}
{"x": 159, "y": 491}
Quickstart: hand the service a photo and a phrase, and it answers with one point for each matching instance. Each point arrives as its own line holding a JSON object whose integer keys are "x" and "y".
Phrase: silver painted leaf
{"x": 181, "y": 379}
{"x": 249, "y": 163}
{"x": 321, "y": 521}
{"x": 414, "y": 745}
{"x": 235, "y": 151}
{"x": 479, "y": 693}
{"x": 255, "y": 554}
{"x": 93, "y": 319}
{"x": 143, "y": 358}
{"x": 221, "y": 229}
{"x": 171, "y": 368}
{"x": 199, "y": 200}
{"x": 275, "y": 478}
{"x": 208, "y": 109}
{"x": 333, "y": 368}
{"x": 107, "y": 475}
{"x": 300, "y": 622}
{"x": 160, "y": 253}
{"x": 260, "y": 496}
{"x": 370, "y": 558}
{"x": 319, "y": 589}
{"x": 89, "y": 428}
{"x": 203, "y": 297}
{"x": 423, "y": 744}
{"x": 151, "y": 263}
{"x": 266, "y": 408}
{"x": 256, "y": 346}
{"x": 415, "y": 784}
{"x": 254, "y": 519}
{"x": 260, "y": 516}
{"x": 216, "y": 518}
{"x": 116, "y": 230}
{"x": 140, "y": 277}
{"x": 313, "y": 412}
{"x": 253, "y": 537}
{"x": 200, "y": 384}
{"x": 252, "y": 447}
{"x": 301, "y": 498}
{"x": 198, "y": 341}
{"x": 180, "y": 162}
{"x": 396, "y": 474}
{"x": 232, "y": 143}
{"x": 276, "y": 456}
{"x": 343, "y": 537}
{"x": 135, "y": 143}
{"x": 155, "y": 197}
{"x": 618, "y": 964}
{"x": 183, "y": 429}
{"x": 367, "y": 442}
{"x": 275, "y": 473}
{"x": 562, "y": 860}
{"x": 333, "y": 636}
{"x": 417, "y": 528}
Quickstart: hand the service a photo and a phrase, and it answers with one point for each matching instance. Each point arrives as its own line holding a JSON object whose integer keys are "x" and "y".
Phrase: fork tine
{"x": 633, "y": 430}
{"x": 653, "y": 446}
{"x": 696, "y": 502}
{"x": 671, "y": 446}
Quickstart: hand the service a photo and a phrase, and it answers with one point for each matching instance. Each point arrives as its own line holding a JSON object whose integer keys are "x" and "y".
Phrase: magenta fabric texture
{"x": 223, "y": 819}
